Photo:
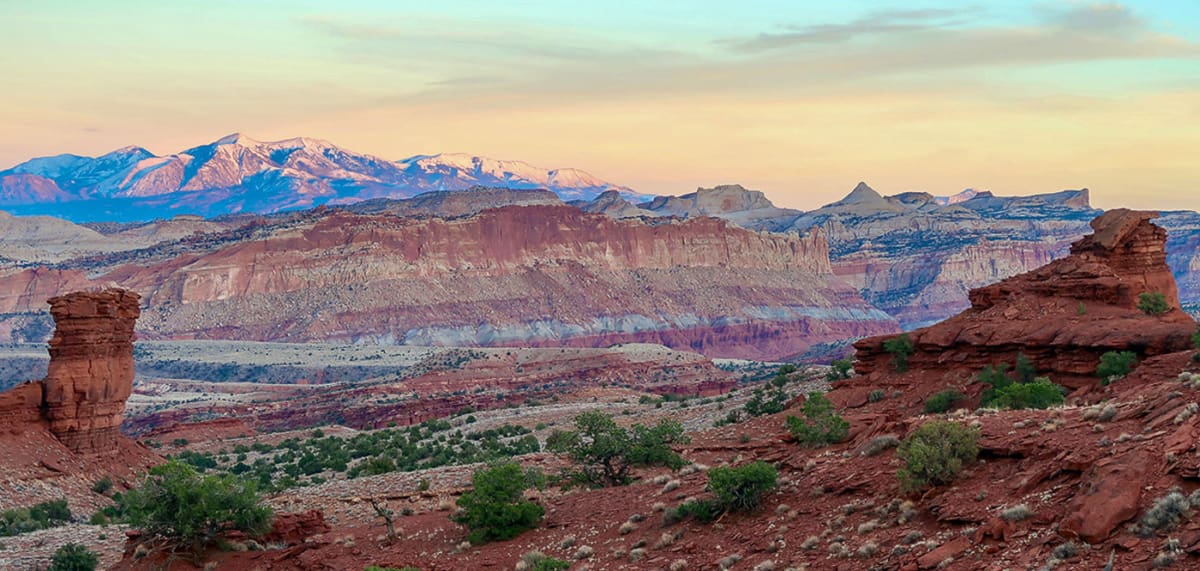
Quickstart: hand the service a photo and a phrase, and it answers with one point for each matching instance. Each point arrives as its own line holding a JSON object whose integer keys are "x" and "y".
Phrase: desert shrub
{"x": 935, "y": 453}
{"x": 606, "y": 452}
{"x": 771, "y": 398}
{"x": 190, "y": 509}
{"x": 880, "y": 443}
{"x": 45, "y": 515}
{"x": 1153, "y": 303}
{"x": 73, "y": 557}
{"x": 942, "y": 401}
{"x": 901, "y": 348}
{"x": 766, "y": 401}
{"x": 701, "y": 510}
{"x": 1196, "y": 338}
{"x": 1040, "y": 394}
{"x": 1018, "y": 389}
{"x": 821, "y": 425}
{"x": 538, "y": 561}
{"x": 103, "y": 485}
{"x": 1019, "y": 512}
{"x": 742, "y": 488}
{"x": 1166, "y": 513}
{"x": 1115, "y": 365}
{"x": 495, "y": 508}
{"x": 839, "y": 370}
{"x": 876, "y": 395}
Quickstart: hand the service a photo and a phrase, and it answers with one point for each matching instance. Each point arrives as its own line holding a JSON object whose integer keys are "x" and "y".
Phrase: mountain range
{"x": 237, "y": 174}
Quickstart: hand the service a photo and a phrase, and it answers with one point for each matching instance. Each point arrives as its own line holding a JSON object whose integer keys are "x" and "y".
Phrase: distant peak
{"x": 862, "y": 193}
{"x": 235, "y": 139}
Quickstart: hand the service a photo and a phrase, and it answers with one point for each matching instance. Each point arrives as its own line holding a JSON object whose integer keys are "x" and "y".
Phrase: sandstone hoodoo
{"x": 91, "y": 368}
{"x": 60, "y": 435}
{"x": 1065, "y": 315}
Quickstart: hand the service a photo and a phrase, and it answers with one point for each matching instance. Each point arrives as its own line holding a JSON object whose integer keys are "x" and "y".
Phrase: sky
{"x": 799, "y": 99}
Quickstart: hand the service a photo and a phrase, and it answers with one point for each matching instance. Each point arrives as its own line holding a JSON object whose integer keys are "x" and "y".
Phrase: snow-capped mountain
{"x": 457, "y": 171}
{"x": 240, "y": 174}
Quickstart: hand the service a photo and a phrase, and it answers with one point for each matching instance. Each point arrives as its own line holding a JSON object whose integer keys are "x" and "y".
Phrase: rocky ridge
{"x": 1064, "y": 315}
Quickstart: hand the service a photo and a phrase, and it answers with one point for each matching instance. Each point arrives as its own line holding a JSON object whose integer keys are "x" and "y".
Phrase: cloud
{"x": 873, "y": 24}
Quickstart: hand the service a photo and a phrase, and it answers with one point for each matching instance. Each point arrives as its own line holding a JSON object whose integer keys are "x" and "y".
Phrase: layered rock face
{"x": 1064, "y": 315}
{"x": 534, "y": 275}
{"x": 91, "y": 368}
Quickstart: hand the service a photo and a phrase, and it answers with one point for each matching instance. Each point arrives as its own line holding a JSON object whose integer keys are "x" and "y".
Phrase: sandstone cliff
{"x": 518, "y": 275}
{"x": 1063, "y": 315}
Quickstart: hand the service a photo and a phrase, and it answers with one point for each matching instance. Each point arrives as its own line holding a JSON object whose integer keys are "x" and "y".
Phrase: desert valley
{"x": 359, "y": 364}
{"x": 875, "y": 285}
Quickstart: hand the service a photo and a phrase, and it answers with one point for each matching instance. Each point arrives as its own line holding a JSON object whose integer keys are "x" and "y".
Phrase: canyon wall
{"x": 541, "y": 275}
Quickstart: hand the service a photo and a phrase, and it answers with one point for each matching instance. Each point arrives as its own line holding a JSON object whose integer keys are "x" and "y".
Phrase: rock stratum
{"x": 533, "y": 275}
{"x": 1064, "y": 315}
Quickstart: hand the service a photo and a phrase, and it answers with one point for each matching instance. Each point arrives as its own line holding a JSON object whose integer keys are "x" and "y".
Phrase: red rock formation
{"x": 1064, "y": 315}
{"x": 518, "y": 275}
{"x": 91, "y": 367}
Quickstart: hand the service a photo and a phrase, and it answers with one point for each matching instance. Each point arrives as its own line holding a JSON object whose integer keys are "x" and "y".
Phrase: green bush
{"x": 901, "y": 348}
{"x": 45, "y": 515}
{"x": 103, "y": 485}
{"x": 73, "y": 557}
{"x": 942, "y": 401}
{"x": 1040, "y": 394}
{"x": 1196, "y": 338}
{"x": 1021, "y": 390}
{"x": 839, "y": 370}
{"x": 496, "y": 509}
{"x": 821, "y": 425}
{"x": 538, "y": 561}
{"x": 700, "y": 510}
{"x": 935, "y": 453}
{"x": 742, "y": 488}
{"x": 772, "y": 398}
{"x": 606, "y": 452}
{"x": 1115, "y": 365}
{"x": 190, "y": 509}
{"x": 1153, "y": 303}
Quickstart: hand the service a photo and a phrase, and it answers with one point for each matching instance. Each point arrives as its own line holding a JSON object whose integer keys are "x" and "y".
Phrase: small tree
{"x": 935, "y": 453}
{"x": 1115, "y": 365}
{"x": 1153, "y": 303}
{"x": 1024, "y": 369}
{"x": 73, "y": 557}
{"x": 742, "y": 488}
{"x": 901, "y": 348}
{"x": 821, "y": 425}
{"x": 190, "y": 509}
{"x": 496, "y": 509}
{"x": 606, "y": 452}
{"x": 387, "y": 515}
{"x": 839, "y": 370}
{"x": 1196, "y": 338}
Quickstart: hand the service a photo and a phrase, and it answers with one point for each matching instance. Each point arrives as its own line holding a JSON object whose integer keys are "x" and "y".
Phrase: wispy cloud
{"x": 873, "y": 24}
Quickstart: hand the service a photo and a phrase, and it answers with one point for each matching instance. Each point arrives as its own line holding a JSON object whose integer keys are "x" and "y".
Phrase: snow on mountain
{"x": 237, "y": 173}
{"x": 458, "y": 171}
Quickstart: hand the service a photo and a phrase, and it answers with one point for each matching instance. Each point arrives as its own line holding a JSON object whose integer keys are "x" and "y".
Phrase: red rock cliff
{"x": 1063, "y": 315}
{"x": 91, "y": 368}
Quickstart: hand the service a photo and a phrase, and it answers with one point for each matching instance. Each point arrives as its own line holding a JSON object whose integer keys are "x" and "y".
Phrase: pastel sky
{"x": 799, "y": 99}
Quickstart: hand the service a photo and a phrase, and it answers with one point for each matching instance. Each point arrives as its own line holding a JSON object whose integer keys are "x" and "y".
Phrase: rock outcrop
{"x": 1064, "y": 315}
{"x": 91, "y": 368}
{"x": 61, "y": 434}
